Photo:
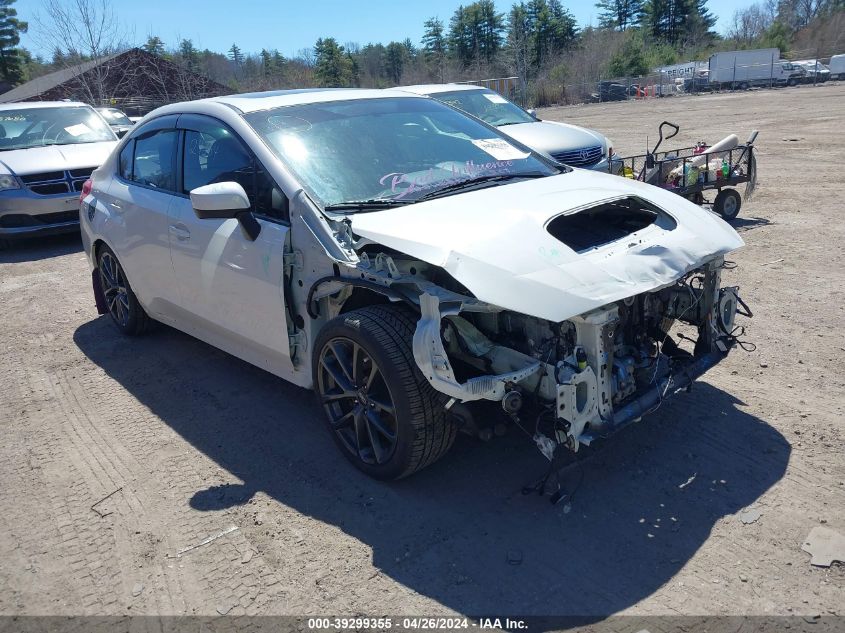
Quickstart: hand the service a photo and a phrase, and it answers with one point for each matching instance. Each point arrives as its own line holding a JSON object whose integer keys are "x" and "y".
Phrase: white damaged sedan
{"x": 408, "y": 262}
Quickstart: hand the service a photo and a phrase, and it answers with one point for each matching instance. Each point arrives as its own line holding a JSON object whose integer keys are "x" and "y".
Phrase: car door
{"x": 137, "y": 202}
{"x": 230, "y": 287}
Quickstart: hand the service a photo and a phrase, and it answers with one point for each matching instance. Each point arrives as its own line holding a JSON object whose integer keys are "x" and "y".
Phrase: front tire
{"x": 382, "y": 412}
{"x": 125, "y": 311}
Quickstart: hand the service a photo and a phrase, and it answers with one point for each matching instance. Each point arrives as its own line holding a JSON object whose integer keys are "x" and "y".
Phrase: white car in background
{"x": 570, "y": 144}
{"x": 407, "y": 261}
{"x": 117, "y": 120}
{"x": 47, "y": 151}
{"x": 816, "y": 72}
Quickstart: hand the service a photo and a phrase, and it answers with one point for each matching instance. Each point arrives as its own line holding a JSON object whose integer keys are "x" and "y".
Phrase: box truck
{"x": 837, "y": 67}
{"x": 744, "y": 69}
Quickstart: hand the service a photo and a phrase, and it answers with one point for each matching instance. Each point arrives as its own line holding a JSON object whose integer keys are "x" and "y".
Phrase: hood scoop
{"x": 591, "y": 227}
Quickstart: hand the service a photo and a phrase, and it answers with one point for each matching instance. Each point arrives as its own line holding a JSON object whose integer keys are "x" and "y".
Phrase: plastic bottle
{"x": 725, "y": 168}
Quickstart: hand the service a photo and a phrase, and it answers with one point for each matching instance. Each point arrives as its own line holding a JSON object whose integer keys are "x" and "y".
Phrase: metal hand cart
{"x": 691, "y": 171}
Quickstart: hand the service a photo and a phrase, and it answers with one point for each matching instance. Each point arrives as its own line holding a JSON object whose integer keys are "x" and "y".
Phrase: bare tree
{"x": 167, "y": 82}
{"x": 750, "y": 23}
{"x": 85, "y": 33}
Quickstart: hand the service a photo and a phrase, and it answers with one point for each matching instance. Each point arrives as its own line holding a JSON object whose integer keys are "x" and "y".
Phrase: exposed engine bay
{"x": 569, "y": 382}
{"x": 569, "y": 321}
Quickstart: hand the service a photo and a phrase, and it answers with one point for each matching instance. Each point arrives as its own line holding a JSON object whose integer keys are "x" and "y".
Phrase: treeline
{"x": 537, "y": 40}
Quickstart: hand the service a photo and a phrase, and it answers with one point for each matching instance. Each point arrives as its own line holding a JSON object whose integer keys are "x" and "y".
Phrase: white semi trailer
{"x": 759, "y": 67}
{"x": 837, "y": 67}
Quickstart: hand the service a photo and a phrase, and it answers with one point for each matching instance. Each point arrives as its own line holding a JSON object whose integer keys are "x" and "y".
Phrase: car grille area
{"x": 21, "y": 220}
{"x": 52, "y": 183}
{"x": 583, "y": 157}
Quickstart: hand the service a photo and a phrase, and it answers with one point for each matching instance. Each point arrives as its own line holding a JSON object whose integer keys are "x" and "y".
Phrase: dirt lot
{"x": 184, "y": 442}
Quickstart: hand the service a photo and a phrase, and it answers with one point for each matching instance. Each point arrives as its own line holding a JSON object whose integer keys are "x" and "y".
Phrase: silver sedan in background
{"x": 569, "y": 144}
{"x": 47, "y": 152}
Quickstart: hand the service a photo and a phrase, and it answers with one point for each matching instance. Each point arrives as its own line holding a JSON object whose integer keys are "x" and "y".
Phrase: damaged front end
{"x": 590, "y": 375}
{"x": 577, "y": 321}
{"x": 576, "y": 380}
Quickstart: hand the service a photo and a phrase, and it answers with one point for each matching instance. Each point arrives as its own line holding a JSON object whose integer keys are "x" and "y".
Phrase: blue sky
{"x": 291, "y": 26}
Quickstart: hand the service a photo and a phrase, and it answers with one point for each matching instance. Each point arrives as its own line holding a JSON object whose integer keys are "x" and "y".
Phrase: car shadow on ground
{"x": 38, "y": 248}
{"x": 747, "y": 224}
{"x": 461, "y": 532}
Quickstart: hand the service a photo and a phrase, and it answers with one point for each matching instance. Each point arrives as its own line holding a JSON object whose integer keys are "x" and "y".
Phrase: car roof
{"x": 430, "y": 89}
{"x": 257, "y": 101}
{"x": 27, "y": 105}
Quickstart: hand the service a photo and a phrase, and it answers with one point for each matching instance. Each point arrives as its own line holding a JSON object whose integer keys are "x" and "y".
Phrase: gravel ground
{"x": 117, "y": 454}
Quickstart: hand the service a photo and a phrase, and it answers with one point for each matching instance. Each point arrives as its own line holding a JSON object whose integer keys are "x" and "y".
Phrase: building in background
{"x": 134, "y": 81}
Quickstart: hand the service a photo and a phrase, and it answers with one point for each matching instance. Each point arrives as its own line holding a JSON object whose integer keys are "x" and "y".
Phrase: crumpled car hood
{"x": 37, "y": 160}
{"x": 552, "y": 137}
{"x": 494, "y": 242}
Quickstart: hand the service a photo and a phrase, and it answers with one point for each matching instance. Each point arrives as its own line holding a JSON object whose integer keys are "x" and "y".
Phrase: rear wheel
{"x": 125, "y": 311}
{"x": 382, "y": 412}
{"x": 727, "y": 203}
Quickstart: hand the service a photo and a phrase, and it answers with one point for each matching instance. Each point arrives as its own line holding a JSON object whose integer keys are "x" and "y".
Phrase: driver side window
{"x": 215, "y": 154}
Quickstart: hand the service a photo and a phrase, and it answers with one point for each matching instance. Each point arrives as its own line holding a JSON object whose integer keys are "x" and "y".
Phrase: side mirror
{"x": 224, "y": 200}
{"x": 532, "y": 112}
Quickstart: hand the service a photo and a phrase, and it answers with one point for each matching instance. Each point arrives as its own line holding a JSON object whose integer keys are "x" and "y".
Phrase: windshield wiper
{"x": 372, "y": 204}
{"x": 466, "y": 184}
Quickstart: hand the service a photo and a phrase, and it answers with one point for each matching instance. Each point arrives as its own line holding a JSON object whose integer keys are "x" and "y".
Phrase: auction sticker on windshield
{"x": 499, "y": 149}
{"x": 78, "y": 130}
{"x": 495, "y": 98}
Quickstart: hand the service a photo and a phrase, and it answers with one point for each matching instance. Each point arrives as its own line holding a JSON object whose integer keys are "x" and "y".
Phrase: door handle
{"x": 180, "y": 231}
{"x": 114, "y": 205}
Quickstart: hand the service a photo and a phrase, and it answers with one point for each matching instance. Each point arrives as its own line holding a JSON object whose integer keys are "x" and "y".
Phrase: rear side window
{"x": 126, "y": 159}
{"x": 154, "y": 160}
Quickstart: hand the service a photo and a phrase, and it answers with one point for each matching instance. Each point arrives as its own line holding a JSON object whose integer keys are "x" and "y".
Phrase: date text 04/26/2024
{"x": 415, "y": 623}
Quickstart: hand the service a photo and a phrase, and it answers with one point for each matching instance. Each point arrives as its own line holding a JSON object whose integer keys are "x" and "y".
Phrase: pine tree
{"x": 519, "y": 42}
{"x": 678, "y": 22}
{"x": 279, "y": 66}
{"x": 460, "y": 37}
{"x": 236, "y": 56}
{"x": 332, "y": 67}
{"x": 354, "y": 69}
{"x": 434, "y": 46}
{"x": 154, "y": 45}
{"x": 697, "y": 29}
{"x": 475, "y": 32}
{"x": 189, "y": 55}
{"x": 619, "y": 14}
{"x": 11, "y": 62}
{"x": 564, "y": 27}
{"x": 395, "y": 55}
{"x": 266, "y": 63}
{"x": 491, "y": 25}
